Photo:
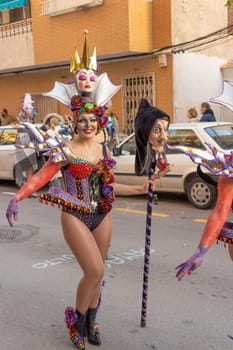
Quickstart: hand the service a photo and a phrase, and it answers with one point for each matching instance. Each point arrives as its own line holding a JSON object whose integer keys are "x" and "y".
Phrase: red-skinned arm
{"x": 38, "y": 180}
{"x": 33, "y": 184}
{"x": 220, "y": 213}
{"x": 212, "y": 229}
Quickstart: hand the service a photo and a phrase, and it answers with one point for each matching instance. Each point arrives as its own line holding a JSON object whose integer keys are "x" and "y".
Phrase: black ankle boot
{"x": 80, "y": 323}
{"x": 75, "y": 321}
{"x": 92, "y": 328}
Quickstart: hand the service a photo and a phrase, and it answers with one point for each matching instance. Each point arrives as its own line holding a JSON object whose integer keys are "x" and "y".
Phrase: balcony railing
{"x": 15, "y": 29}
{"x": 59, "y": 7}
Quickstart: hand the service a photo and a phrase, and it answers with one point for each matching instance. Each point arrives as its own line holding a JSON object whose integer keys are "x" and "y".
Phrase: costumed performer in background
{"x": 54, "y": 125}
{"x": 27, "y": 160}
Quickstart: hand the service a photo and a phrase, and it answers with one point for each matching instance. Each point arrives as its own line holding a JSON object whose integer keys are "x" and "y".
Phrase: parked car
{"x": 183, "y": 177}
{"x": 8, "y": 138}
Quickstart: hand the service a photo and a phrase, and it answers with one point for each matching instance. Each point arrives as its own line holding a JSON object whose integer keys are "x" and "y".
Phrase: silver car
{"x": 183, "y": 177}
{"x": 9, "y": 136}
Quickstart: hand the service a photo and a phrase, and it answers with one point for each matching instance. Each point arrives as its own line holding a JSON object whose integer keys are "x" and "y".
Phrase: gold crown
{"x": 88, "y": 62}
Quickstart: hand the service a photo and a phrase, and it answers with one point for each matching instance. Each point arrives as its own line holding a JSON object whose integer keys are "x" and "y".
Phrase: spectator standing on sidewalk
{"x": 207, "y": 113}
{"x": 192, "y": 115}
{"x": 5, "y": 119}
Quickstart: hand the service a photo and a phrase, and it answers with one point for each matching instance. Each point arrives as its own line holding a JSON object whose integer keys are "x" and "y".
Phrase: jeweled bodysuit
{"x": 88, "y": 194}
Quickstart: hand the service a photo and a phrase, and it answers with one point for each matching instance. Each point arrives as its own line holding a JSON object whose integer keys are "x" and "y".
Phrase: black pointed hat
{"x": 145, "y": 118}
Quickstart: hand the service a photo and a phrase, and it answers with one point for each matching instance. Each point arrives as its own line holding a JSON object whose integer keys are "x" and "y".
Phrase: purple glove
{"x": 192, "y": 263}
{"x": 12, "y": 212}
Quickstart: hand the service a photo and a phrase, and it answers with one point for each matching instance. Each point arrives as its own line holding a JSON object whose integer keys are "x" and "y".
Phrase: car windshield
{"x": 8, "y": 136}
{"x": 222, "y": 135}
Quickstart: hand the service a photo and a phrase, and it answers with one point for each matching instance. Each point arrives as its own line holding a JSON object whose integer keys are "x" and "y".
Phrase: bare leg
{"x": 84, "y": 247}
{"x": 102, "y": 235}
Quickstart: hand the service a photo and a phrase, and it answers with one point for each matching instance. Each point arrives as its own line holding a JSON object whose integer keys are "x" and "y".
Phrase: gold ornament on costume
{"x": 88, "y": 62}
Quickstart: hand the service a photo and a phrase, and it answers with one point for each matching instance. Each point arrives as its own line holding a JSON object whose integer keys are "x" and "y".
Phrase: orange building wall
{"x": 162, "y": 36}
{"x": 163, "y": 82}
{"x": 40, "y": 82}
{"x": 56, "y": 37}
{"x": 140, "y": 26}
{"x": 162, "y": 22}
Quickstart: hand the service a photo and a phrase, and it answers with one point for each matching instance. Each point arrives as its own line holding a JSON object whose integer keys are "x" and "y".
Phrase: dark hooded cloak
{"x": 145, "y": 119}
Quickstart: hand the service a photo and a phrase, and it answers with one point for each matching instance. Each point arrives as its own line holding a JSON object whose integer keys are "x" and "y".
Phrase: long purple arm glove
{"x": 12, "y": 212}
{"x": 192, "y": 263}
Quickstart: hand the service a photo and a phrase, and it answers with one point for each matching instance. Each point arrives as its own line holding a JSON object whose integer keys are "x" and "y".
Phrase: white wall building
{"x": 202, "y": 45}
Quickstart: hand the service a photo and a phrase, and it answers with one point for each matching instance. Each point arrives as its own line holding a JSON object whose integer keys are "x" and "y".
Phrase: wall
{"x": 17, "y": 51}
{"x": 112, "y": 29}
{"x": 162, "y": 36}
{"x": 117, "y": 28}
{"x": 197, "y": 72}
{"x": 197, "y": 78}
{"x": 140, "y": 26}
{"x": 162, "y": 23}
{"x": 200, "y": 18}
{"x": 43, "y": 81}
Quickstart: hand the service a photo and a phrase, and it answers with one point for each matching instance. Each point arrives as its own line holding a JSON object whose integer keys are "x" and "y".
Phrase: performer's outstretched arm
{"x": 213, "y": 226}
{"x": 34, "y": 183}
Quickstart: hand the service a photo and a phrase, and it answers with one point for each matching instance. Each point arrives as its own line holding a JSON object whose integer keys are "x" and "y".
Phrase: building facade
{"x": 202, "y": 45}
{"x": 139, "y": 43}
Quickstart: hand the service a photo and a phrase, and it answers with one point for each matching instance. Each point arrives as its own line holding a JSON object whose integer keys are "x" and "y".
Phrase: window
{"x": 135, "y": 87}
{"x": 222, "y": 135}
{"x": 8, "y": 136}
{"x": 184, "y": 137}
{"x": 129, "y": 147}
{"x": 15, "y": 15}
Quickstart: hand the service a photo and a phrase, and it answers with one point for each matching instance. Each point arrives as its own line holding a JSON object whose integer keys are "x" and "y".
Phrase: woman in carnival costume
{"x": 216, "y": 228}
{"x": 86, "y": 202}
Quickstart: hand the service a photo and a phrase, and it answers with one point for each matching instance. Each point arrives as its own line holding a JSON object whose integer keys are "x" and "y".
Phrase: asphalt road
{"x": 39, "y": 274}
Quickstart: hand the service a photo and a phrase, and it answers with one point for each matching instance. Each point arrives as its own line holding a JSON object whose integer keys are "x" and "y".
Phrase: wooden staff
{"x": 147, "y": 248}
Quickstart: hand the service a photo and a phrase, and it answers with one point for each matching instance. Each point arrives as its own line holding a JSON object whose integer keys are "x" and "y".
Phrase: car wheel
{"x": 201, "y": 194}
